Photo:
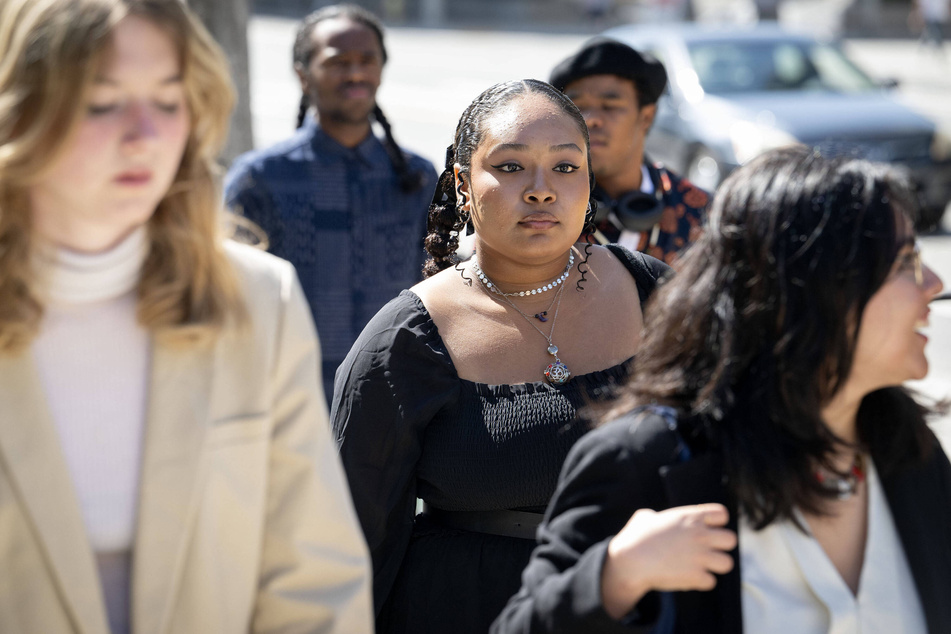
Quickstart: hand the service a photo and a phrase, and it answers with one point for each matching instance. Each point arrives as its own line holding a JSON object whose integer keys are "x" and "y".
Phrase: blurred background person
{"x": 597, "y": 11}
{"x": 166, "y": 460}
{"x": 641, "y": 205}
{"x": 464, "y": 390}
{"x": 766, "y": 406}
{"x": 348, "y": 209}
{"x": 932, "y": 18}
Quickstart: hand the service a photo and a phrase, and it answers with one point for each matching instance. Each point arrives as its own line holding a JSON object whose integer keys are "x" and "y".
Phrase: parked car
{"x": 736, "y": 92}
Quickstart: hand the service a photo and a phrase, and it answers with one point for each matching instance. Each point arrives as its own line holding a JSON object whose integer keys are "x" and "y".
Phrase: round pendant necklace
{"x": 557, "y": 372}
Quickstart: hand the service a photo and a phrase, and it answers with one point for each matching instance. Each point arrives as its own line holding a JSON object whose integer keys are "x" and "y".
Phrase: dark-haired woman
{"x": 464, "y": 390}
{"x": 347, "y": 208}
{"x": 766, "y": 410}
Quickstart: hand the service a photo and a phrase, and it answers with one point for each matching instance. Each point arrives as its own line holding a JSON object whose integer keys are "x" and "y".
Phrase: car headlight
{"x": 941, "y": 145}
{"x": 751, "y": 139}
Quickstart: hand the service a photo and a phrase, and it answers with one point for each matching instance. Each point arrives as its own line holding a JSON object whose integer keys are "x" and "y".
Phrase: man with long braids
{"x": 347, "y": 208}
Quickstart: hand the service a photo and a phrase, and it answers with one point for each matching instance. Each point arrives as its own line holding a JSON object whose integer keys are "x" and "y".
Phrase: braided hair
{"x": 446, "y": 218}
{"x": 303, "y": 52}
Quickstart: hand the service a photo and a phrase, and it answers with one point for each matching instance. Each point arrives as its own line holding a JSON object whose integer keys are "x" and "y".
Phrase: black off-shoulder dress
{"x": 407, "y": 426}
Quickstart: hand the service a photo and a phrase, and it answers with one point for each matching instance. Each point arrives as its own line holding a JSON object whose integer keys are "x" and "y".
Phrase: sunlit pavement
{"x": 433, "y": 74}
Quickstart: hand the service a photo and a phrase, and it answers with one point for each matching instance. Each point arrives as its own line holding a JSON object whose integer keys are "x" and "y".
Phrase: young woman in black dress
{"x": 463, "y": 391}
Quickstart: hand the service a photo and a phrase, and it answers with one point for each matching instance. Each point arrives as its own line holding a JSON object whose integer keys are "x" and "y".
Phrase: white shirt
{"x": 789, "y": 584}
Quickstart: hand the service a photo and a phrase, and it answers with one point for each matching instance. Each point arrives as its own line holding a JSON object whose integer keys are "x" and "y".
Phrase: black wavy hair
{"x": 303, "y": 52}
{"x": 757, "y": 331}
{"x": 446, "y": 220}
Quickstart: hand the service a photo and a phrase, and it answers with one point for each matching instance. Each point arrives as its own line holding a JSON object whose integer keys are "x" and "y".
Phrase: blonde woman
{"x": 165, "y": 460}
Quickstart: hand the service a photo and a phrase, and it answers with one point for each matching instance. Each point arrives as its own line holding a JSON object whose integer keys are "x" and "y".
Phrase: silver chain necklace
{"x": 535, "y": 291}
{"x": 543, "y": 315}
{"x": 557, "y": 372}
{"x": 843, "y": 486}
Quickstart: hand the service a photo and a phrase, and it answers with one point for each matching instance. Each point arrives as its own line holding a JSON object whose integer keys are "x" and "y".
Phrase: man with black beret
{"x": 642, "y": 205}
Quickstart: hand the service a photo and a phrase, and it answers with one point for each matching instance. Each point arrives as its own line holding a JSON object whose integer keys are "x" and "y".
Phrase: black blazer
{"x": 637, "y": 462}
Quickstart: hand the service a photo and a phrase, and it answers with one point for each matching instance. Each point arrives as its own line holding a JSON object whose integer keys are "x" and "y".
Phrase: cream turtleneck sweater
{"x": 93, "y": 361}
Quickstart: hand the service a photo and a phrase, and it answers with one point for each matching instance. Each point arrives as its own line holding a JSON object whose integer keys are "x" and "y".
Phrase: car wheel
{"x": 704, "y": 170}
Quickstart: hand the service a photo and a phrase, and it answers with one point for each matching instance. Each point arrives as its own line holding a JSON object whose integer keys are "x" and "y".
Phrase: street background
{"x": 433, "y": 74}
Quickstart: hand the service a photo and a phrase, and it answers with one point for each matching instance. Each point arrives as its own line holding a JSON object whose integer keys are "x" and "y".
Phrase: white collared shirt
{"x": 789, "y": 584}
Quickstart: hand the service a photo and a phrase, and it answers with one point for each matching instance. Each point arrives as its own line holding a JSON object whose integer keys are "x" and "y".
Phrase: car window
{"x": 839, "y": 71}
{"x": 757, "y": 66}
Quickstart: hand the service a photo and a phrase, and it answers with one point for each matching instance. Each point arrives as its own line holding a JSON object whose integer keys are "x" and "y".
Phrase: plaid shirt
{"x": 339, "y": 216}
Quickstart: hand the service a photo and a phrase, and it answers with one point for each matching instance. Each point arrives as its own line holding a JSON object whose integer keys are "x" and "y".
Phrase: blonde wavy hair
{"x": 50, "y": 53}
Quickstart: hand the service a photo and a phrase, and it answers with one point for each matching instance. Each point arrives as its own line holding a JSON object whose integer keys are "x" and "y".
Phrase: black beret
{"x": 604, "y": 56}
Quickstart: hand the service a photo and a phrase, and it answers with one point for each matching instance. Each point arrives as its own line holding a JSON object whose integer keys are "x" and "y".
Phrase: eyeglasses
{"x": 910, "y": 261}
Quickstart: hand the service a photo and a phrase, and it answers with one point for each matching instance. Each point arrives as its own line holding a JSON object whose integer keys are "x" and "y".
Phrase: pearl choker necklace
{"x": 535, "y": 291}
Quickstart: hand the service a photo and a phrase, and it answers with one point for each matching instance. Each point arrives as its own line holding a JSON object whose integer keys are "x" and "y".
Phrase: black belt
{"x": 521, "y": 524}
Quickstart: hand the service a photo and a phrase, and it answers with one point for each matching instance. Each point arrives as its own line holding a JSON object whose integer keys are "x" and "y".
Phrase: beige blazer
{"x": 244, "y": 521}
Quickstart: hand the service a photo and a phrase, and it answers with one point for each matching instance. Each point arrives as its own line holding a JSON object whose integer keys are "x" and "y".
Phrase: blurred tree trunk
{"x": 227, "y": 20}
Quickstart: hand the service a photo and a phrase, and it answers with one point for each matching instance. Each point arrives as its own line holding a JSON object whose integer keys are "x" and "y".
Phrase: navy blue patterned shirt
{"x": 339, "y": 216}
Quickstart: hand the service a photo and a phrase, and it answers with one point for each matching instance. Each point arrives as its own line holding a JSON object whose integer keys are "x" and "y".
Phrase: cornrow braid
{"x": 445, "y": 222}
{"x": 410, "y": 180}
{"x": 302, "y": 111}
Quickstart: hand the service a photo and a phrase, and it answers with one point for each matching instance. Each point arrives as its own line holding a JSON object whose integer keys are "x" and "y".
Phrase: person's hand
{"x": 676, "y": 549}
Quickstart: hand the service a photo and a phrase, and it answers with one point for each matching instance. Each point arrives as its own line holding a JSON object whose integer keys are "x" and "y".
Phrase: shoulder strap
{"x": 645, "y": 270}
